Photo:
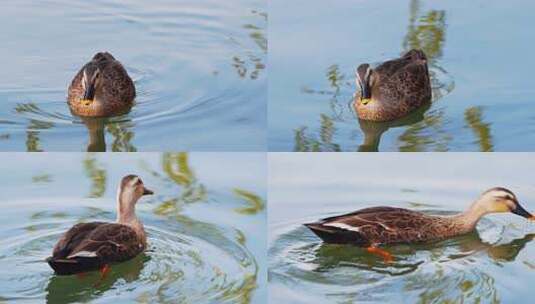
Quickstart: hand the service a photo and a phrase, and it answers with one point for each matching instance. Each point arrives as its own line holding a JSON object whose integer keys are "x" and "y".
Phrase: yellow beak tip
{"x": 85, "y": 102}
{"x": 365, "y": 101}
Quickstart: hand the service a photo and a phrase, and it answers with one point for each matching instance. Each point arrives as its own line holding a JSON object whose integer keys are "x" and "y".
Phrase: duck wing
{"x": 117, "y": 84}
{"x": 371, "y": 226}
{"x": 410, "y": 86}
{"x": 73, "y": 237}
{"x": 89, "y": 246}
{"x": 391, "y": 67}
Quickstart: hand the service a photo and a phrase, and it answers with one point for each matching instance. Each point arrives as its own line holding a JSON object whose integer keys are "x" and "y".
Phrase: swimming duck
{"x": 97, "y": 245}
{"x": 393, "y": 89}
{"x": 371, "y": 227}
{"x": 101, "y": 88}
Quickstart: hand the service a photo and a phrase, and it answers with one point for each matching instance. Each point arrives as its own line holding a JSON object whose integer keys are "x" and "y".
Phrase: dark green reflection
{"x": 121, "y": 132}
{"x": 429, "y": 273}
{"x": 89, "y": 286}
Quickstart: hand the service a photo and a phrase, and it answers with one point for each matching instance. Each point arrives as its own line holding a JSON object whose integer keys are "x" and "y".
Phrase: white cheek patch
{"x": 343, "y": 226}
{"x": 83, "y": 254}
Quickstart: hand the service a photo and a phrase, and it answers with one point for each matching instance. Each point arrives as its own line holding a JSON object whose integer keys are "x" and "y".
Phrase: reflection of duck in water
{"x": 121, "y": 132}
{"x": 393, "y": 89}
{"x": 329, "y": 256}
{"x": 101, "y": 88}
{"x": 97, "y": 139}
{"x": 375, "y": 226}
{"x": 61, "y": 289}
{"x": 373, "y": 130}
{"x": 96, "y": 245}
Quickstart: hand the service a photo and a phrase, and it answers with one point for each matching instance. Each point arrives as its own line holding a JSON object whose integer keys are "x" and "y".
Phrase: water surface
{"x": 206, "y": 226}
{"x": 198, "y": 67}
{"x": 480, "y": 69}
{"x": 495, "y": 264}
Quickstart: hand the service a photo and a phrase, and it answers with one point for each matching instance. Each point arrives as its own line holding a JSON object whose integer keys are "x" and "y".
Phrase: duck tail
{"x": 335, "y": 235}
{"x": 63, "y": 266}
{"x": 326, "y": 233}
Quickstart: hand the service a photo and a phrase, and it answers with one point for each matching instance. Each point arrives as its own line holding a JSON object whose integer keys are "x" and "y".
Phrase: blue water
{"x": 479, "y": 54}
{"x": 199, "y": 71}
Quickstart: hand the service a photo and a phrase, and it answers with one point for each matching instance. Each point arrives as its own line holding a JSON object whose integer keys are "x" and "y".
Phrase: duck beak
{"x": 365, "y": 92}
{"x": 519, "y": 210}
{"x": 147, "y": 191}
{"x": 89, "y": 93}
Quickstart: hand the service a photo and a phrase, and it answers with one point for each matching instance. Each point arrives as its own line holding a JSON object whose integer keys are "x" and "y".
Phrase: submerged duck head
{"x": 364, "y": 79}
{"x": 499, "y": 200}
{"x": 129, "y": 192}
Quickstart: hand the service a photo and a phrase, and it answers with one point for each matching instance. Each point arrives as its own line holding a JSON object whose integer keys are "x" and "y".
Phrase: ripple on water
{"x": 195, "y": 67}
{"x": 187, "y": 261}
{"x": 304, "y": 268}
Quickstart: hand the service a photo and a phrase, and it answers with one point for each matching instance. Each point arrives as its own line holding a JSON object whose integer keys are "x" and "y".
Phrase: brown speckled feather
{"x": 385, "y": 225}
{"x": 399, "y": 87}
{"x": 115, "y": 94}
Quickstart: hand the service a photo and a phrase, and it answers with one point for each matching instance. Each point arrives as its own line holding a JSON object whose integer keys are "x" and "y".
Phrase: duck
{"x": 393, "y": 89}
{"x": 376, "y": 226}
{"x": 102, "y": 88}
{"x": 97, "y": 245}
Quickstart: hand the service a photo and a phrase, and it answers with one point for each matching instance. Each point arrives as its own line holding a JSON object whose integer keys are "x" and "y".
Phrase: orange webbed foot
{"x": 387, "y": 257}
{"x": 103, "y": 273}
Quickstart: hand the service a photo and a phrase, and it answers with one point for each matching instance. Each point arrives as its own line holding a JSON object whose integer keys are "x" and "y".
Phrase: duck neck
{"x": 471, "y": 217}
{"x": 126, "y": 210}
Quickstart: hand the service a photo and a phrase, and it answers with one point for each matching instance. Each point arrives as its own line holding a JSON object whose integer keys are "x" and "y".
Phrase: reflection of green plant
{"x": 97, "y": 176}
{"x": 474, "y": 119}
{"x": 254, "y": 202}
{"x": 252, "y": 64}
{"x": 426, "y": 135}
{"x": 244, "y": 293}
{"x": 426, "y": 31}
{"x": 32, "y": 133}
{"x": 122, "y": 137}
{"x": 335, "y": 77}
{"x": 307, "y": 143}
{"x": 177, "y": 169}
{"x": 43, "y": 178}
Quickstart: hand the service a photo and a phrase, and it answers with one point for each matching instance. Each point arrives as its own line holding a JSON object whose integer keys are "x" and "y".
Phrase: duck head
{"x": 129, "y": 192}
{"x": 364, "y": 79}
{"x": 497, "y": 200}
{"x": 91, "y": 81}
